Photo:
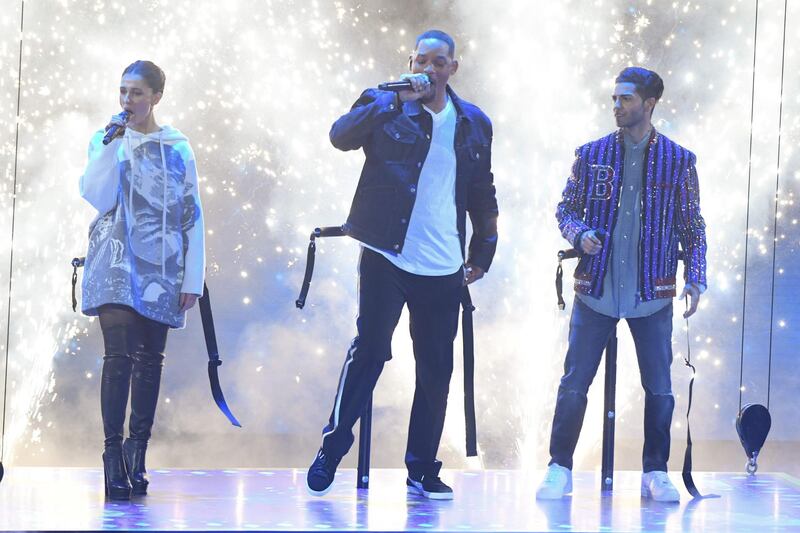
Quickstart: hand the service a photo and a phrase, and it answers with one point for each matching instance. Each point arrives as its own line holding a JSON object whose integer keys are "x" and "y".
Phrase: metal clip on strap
{"x": 562, "y": 254}
{"x": 77, "y": 262}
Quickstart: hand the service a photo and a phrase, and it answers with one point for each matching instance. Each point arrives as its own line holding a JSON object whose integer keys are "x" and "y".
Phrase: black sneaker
{"x": 429, "y": 485}
{"x": 320, "y": 474}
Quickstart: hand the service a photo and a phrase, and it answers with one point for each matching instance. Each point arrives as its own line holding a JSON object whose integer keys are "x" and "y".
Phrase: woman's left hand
{"x": 187, "y": 301}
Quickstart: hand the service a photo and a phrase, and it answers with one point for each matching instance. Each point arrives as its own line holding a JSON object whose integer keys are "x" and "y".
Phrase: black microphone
{"x": 399, "y": 85}
{"x": 116, "y": 130}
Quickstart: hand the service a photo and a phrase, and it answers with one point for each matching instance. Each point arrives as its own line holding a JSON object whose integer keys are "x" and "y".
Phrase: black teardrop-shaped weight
{"x": 753, "y": 425}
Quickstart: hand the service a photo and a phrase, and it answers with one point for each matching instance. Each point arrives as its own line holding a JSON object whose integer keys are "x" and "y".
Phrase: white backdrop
{"x": 255, "y": 84}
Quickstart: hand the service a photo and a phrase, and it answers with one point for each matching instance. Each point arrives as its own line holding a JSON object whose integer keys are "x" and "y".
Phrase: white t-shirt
{"x": 432, "y": 246}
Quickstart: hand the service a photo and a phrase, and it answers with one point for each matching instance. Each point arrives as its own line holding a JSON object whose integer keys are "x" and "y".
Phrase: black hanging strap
{"x": 214, "y": 360}
{"x": 562, "y": 254}
{"x": 688, "y": 481}
{"x": 329, "y": 231}
{"x": 468, "y": 337}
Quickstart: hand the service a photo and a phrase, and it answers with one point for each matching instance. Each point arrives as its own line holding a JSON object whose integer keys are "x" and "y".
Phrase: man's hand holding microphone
{"x": 592, "y": 241}
{"x": 421, "y": 86}
{"x": 409, "y": 86}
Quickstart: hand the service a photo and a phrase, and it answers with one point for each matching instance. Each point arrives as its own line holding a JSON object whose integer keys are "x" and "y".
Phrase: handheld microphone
{"x": 115, "y": 130}
{"x": 399, "y": 85}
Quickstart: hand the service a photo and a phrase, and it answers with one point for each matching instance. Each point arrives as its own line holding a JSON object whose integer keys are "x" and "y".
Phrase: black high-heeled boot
{"x": 114, "y": 386}
{"x": 145, "y": 385}
{"x": 115, "y": 475}
{"x": 133, "y": 452}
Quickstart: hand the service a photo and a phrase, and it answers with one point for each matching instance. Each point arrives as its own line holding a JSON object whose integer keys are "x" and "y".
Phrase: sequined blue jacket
{"x": 395, "y": 138}
{"x": 670, "y": 214}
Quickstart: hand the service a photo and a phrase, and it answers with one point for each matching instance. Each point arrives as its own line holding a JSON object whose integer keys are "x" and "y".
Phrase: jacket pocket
{"x": 479, "y": 153}
{"x": 396, "y": 142}
{"x": 398, "y": 133}
{"x": 473, "y": 159}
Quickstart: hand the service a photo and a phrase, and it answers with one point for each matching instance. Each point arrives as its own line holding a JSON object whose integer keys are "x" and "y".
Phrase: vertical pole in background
{"x": 777, "y": 207}
{"x": 364, "y": 439}
{"x": 11, "y": 258}
{"x": 609, "y": 414}
{"x": 747, "y": 213}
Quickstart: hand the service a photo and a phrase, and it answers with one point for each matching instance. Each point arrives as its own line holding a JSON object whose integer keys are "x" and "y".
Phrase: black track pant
{"x": 433, "y": 305}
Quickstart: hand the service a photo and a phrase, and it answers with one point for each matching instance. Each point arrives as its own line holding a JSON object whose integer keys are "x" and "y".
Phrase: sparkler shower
{"x": 256, "y": 85}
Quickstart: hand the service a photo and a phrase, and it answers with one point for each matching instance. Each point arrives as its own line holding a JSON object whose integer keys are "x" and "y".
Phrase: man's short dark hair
{"x": 648, "y": 83}
{"x": 439, "y": 36}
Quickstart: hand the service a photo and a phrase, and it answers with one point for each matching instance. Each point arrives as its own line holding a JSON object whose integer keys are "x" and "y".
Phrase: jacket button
{"x": 403, "y": 220}
{"x": 477, "y": 155}
{"x": 396, "y": 135}
{"x": 412, "y": 189}
{"x": 396, "y": 246}
{"x": 428, "y": 136}
{"x": 391, "y": 106}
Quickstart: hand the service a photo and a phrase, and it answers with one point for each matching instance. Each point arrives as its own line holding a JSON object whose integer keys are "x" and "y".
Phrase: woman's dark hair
{"x": 152, "y": 74}
{"x": 648, "y": 83}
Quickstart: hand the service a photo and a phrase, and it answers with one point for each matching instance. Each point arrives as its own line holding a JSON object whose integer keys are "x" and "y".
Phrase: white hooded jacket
{"x": 146, "y": 245}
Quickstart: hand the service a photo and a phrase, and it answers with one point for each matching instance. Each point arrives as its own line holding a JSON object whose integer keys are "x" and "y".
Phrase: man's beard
{"x": 629, "y": 120}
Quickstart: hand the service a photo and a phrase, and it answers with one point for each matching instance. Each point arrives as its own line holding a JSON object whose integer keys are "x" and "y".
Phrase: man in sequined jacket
{"x": 631, "y": 199}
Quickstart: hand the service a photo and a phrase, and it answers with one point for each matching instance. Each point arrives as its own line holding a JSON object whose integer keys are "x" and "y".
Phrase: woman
{"x": 144, "y": 267}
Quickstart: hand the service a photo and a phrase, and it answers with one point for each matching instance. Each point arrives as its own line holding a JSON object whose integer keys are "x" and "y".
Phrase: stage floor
{"x": 72, "y": 499}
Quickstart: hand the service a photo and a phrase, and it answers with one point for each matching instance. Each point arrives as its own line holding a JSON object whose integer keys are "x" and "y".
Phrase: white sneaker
{"x": 557, "y": 483}
{"x": 657, "y": 486}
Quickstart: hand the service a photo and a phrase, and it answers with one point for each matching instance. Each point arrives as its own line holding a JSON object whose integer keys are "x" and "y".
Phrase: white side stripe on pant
{"x": 347, "y": 361}
{"x": 342, "y": 379}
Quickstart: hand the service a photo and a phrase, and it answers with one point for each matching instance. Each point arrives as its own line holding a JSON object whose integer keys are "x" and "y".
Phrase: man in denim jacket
{"x": 428, "y": 164}
{"x": 631, "y": 199}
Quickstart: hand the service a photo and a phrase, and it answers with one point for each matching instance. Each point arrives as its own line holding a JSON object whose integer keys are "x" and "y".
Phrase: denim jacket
{"x": 670, "y": 214}
{"x": 396, "y": 138}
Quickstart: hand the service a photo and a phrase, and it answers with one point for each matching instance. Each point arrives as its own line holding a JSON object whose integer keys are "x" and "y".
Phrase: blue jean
{"x": 589, "y": 333}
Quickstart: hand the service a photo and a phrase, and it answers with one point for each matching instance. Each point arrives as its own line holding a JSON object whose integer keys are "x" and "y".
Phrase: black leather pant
{"x": 134, "y": 356}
